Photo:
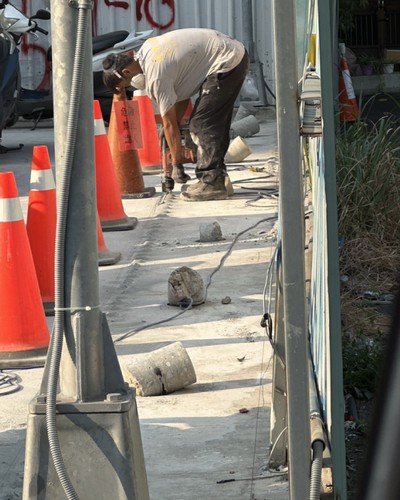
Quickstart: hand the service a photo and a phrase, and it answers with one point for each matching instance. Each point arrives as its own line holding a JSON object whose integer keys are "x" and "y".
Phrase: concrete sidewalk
{"x": 211, "y": 439}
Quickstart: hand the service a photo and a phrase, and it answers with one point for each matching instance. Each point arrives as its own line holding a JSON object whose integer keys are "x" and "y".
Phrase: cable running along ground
{"x": 129, "y": 333}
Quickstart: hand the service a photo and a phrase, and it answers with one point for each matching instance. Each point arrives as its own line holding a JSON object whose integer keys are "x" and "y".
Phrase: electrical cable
{"x": 268, "y": 88}
{"x": 129, "y": 333}
{"x": 228, "y": 252}
{"x": 267, "y": 285}
{"x": 9, "y": 383}
{"x": 273, "y": 449}
{"x": 135, "y": 331}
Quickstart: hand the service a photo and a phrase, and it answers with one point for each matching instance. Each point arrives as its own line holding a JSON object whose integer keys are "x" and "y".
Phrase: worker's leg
{"x": 211, "y": 120}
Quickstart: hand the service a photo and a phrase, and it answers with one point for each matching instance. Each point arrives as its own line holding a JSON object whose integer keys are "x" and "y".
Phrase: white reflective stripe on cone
{"x": 42, "y": 180}
{"x": 10, "y": 210}
{"x": 139, "y": 93}
{"x": 99, "y": 127}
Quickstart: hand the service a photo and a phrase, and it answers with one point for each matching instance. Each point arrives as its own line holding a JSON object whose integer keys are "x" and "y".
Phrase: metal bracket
{"x": 81, "y": 4}
{"x": 310, "y": 105}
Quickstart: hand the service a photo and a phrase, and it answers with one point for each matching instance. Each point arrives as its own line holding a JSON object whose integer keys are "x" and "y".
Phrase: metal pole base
{"x": 101, "y": 446}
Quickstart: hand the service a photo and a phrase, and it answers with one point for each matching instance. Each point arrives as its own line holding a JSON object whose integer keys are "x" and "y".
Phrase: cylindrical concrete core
{"x": 246, "y": 127}
{"x": 238, "y": 150}
{"x": 242, "y": 112}
{"x": 159, "y": 372}
{"x": 184, "y": 284}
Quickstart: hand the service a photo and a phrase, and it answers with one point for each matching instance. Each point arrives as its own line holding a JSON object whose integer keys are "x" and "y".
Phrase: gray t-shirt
{"x": 177, "y": 63}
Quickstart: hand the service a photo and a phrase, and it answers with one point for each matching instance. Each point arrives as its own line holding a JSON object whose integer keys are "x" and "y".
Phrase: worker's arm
{"x": 181, "y": 108}
{"x": 172, "y": 133}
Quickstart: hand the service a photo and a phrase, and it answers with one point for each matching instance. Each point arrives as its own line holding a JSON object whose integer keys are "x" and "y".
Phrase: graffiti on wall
{"x": 143, "y": 12}
{"x": 28, "y": 48}
{"x": 149, "y": 18}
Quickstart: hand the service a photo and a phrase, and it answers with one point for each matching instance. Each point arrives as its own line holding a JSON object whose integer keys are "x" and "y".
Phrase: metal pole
{"x": 326, "y": 13}
{"x": 292, "y": 231}
{"x": 247, "y": 23}
{"x": 81, "y": 273}
{"x": 94, "y": 407}
{"x": 255, "y": 65}
{"x": 278, "y": 434}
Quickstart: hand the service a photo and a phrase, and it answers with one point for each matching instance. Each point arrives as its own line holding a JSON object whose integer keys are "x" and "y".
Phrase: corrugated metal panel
{"x": 160, "y": 15}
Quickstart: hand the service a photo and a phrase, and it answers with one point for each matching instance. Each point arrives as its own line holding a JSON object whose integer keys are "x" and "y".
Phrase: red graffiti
{"x": 33, "y": 47}
{"x": 149, "y": 17}
{"x": 120, "y": 5}
{"x": 110, "y": 3}
{"x": 141, "y": 6}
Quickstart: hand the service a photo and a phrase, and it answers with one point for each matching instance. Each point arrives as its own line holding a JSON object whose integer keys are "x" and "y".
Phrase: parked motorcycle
{"x": 35, "y": 105}
{"x": 16, "y": 101}
{"x": 13, "y": 25}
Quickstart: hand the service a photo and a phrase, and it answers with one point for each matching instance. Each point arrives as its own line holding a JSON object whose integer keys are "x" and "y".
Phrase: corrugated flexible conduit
{"x": 84, "y": 10}
{"x": 317, "y": 436}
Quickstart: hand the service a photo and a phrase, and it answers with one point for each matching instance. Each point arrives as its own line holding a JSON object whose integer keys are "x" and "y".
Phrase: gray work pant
{"x": 211, "y": 120}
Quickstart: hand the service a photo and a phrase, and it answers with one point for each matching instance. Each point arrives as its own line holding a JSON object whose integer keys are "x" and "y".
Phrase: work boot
{"x": 198, "y": 185}
{"x": 206, "y": 192}
{"x": 179, "y": 175}
{"x": 193, "y": 187}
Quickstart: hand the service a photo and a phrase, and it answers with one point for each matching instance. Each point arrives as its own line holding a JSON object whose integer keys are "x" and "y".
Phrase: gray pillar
{"x": 97, "y": 428}
{"x": 328, "y": 62}
{"x": 292, "y": 236}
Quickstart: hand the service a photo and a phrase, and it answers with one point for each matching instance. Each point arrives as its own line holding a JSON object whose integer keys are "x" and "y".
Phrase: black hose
{"x": 316, "y": 468}
{"x": 269, "y": 90}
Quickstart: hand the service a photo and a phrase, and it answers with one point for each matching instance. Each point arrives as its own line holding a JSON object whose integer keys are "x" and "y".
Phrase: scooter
{"x": 36, "y": 105}
{"x": 13, "y": 25}
{"x": 16, "y": 101}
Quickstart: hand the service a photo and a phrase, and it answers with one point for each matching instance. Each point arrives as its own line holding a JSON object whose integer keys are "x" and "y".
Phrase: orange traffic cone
{"x": 126, "y": 158}
{"x": 109, "y": 203}
{"x": 150, "y": 154}
{"x": 347, "y": 98}
{"x": 24, "y": 336}
{"x": 41, "y": 224}
{"x": 106, "y": 258}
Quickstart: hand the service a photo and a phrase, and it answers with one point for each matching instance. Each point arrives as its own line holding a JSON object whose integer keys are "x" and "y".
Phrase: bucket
{"x": 238, "y": 150}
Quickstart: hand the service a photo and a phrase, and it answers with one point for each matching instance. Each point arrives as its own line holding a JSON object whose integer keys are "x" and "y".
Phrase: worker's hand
{"x": 178, "y": 163}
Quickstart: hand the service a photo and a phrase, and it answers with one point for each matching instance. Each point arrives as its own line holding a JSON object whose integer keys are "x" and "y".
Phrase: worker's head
{"x": 121, "y": 71}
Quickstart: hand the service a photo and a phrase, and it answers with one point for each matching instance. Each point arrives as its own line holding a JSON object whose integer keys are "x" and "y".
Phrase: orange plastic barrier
{"x": 109, "y": 203}
{"x": 41, "y": 224}
{"x": 150, "y": 154}
{"x": 123, "y": 127}
{"x": 24, "y": 335}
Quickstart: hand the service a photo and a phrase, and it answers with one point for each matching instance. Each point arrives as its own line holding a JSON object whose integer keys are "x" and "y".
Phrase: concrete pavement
{"x": 211, "y": 439}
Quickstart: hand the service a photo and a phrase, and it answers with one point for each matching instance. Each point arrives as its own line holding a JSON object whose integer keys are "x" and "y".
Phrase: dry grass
{"x": 368, "y": 187}
{"x": 370, "y": 264}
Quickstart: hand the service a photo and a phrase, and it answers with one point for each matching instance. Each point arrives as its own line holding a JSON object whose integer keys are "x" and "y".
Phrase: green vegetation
{"x": 362, "y": 363}
{"x": 368, "y": 191}
{"x": 347, "y": 9}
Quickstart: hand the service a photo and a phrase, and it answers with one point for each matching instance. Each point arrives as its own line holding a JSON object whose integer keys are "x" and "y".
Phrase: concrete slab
{"x": 211, "y": 439}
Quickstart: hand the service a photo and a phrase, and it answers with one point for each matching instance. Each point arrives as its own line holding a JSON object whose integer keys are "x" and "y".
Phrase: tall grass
{"x": 368, "y": 190}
